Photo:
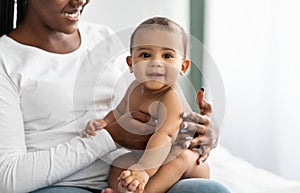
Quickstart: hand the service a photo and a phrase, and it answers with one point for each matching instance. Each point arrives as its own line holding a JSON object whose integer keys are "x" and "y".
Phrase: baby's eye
{"x": 168, "y": 56}
{"x": 145, "y": 55}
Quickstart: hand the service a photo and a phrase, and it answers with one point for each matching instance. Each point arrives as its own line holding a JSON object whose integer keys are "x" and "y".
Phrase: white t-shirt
{"x": 46, "y": 99}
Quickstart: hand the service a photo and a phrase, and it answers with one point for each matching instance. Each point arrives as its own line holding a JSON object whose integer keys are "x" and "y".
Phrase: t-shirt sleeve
{"x": 23, "y": 171}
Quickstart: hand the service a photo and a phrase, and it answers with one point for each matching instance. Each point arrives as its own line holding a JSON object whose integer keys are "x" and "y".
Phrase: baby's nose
{"x": 156, "y": 63}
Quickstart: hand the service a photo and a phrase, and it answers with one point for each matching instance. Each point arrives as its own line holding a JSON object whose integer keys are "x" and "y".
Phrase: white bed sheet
{"x": 242, "y": 177}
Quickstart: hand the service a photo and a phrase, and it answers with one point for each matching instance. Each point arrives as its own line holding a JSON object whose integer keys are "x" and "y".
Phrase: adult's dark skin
{"x": 196, "y": 125}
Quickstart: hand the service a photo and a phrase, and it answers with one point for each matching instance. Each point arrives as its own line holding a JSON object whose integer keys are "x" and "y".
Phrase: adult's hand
{"x": 198, "y": 130}
{"x": 136, "y": 126}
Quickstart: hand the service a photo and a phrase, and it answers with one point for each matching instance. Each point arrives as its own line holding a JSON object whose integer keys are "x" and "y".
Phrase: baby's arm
{"x": 112, "y": 116}
{"x": 158, "y": 146}
{"x": 97, "y": 124}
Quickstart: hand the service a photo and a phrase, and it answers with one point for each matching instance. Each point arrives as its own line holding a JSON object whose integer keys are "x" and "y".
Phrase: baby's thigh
{"x": 182, "y": 155}
{"x": 124, "y": 161}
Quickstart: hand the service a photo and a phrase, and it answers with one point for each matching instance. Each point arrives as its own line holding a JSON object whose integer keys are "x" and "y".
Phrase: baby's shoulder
{"x": 175, "y": 98}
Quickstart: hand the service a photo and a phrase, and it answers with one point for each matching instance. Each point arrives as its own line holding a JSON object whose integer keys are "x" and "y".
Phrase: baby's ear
{"x": 129, "y": 62}
{"x": 185, "y": 65}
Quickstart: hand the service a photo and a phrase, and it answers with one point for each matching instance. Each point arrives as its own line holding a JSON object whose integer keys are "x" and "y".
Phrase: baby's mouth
{"x": 154, "y": 75}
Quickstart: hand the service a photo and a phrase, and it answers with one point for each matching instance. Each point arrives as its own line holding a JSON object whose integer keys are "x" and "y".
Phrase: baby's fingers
{"x": 124, "y": 174}
{"x": 133, "y": 186}
{"x": 85, "y": 134}
{"x": 140, "y": 188}
{"x": 99, "y": 124}
{"x": 90, "y": 131}
{"x": 127, "y": 181}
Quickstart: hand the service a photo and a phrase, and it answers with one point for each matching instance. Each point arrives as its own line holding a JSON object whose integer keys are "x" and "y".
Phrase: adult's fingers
{"x": 204, "y": 106}
{"x": 196, "y": 118}
{"x": 194, "y": 143}
{"x": 201, "y": 140}
{"x": 192, "y": 128}
{"x": 203, "y": 157}
{"x": 200, "y": 96}
{"x": 189, "y": 135}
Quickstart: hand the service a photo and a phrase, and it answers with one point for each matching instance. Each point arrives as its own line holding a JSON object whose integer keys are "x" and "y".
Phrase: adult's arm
{"x": 23, "y": 171}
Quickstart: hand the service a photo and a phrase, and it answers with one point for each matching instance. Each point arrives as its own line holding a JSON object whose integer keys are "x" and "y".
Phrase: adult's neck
{"x": 28, "y": 33}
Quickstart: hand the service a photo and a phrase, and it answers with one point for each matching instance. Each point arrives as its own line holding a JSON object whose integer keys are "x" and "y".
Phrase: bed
{"x": 242, "y": 177}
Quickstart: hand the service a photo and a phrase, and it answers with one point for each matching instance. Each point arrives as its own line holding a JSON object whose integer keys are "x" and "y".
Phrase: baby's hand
{"x": 134, "y": 179}
{"x": 92, "y": 127}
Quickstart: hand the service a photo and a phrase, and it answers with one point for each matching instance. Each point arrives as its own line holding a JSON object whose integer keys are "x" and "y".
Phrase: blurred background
{"x": 255, "y": 46}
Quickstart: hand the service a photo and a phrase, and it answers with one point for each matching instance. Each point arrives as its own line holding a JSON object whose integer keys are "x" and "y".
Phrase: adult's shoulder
{"x": 94, "y": 30}
{"x": 8, "y": 48}
{"x": 4, "y": 42}
{"x": 94, "y": 33}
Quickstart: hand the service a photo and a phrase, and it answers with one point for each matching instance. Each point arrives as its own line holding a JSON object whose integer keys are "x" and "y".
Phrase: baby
{"x": 158, "y": 56}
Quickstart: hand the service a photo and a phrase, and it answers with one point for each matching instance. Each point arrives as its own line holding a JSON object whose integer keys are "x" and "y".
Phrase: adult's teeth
{"x": 71, "y": 14}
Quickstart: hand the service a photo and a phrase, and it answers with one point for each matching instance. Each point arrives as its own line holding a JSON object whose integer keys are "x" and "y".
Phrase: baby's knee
{"x": 188, "y": 156}
{"x": 180, "y": 154}
{"x": 193, "y": 170}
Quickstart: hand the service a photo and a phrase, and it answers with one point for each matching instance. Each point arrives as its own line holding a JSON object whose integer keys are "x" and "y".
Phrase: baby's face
{"x": 157, "y": 58}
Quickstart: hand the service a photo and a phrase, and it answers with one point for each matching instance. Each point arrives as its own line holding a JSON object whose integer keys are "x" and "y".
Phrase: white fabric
{"x": 242, "y": 177}
{"x": 42, "y": 95}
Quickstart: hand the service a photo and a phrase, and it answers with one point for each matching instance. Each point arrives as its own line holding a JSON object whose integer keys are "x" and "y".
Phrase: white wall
{"x": 121, "y": 14}
{"x": 255, "y": 45}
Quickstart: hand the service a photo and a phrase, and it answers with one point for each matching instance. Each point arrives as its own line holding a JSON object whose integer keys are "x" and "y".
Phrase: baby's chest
{"x": 143, "y": 105}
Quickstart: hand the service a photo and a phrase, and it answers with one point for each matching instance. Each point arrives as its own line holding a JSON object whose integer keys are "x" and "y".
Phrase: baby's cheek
{"x": 172, "y": 73}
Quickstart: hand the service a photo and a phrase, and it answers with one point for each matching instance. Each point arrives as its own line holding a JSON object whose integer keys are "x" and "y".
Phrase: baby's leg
{"x": 120, "y": 164}
{"x": 182, "y": 166}
{"x": 193, "y": 169}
